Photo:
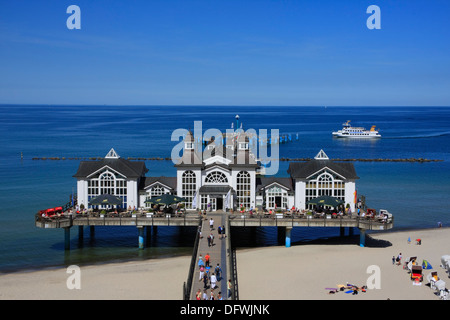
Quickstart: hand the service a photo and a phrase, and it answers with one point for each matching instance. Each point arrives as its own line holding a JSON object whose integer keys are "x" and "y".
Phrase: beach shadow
{"x": 346, "y": 240}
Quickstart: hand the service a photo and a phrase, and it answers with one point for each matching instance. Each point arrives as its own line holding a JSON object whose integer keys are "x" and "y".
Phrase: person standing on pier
{"x": 222, "y": 232}
{"x": 200, "y": 262}
{"x": 207, "y": 256}
{"x": 211, "y": 224}
{"x": 213, "y": 281}
{"x": 218, "y": 272}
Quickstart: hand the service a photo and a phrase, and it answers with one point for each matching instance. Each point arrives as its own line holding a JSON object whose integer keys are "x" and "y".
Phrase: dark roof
{"x": 168, "y": 181}
{"x": 214, "y": 189}
{"x": 130, "y": 169}
{"x": 263, "y": 182}
{"x": 302, "y": 170}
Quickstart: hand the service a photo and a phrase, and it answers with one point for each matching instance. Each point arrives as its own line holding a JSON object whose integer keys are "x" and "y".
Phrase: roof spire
{"x": 321, "y": 156}
{"x": 112, "y": 154}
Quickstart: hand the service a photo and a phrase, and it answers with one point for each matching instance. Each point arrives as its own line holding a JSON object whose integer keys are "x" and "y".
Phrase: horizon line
{"x": 219, "y": 105}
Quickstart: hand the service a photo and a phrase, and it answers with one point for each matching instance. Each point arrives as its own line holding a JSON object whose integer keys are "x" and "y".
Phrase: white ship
{"x": 356, "y": 132}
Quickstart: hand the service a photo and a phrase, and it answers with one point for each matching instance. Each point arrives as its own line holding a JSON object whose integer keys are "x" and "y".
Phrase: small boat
{"x": 348, "y": 131}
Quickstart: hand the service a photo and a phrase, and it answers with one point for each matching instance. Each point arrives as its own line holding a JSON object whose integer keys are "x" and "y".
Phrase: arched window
{"x": 243, "y": 188}
{"x": 216, "y": 177}
{"x": 107, "y": 183}
{"x": 325, "y": 185}
{"x": 156, "y": 191}
{"x": 188, "y": 187}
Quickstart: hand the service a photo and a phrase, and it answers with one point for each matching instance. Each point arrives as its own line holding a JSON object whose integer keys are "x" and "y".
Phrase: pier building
{"x": 219, "y": 177}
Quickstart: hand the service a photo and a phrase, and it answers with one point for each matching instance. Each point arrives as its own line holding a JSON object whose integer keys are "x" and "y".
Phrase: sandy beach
{"x": 300, "y": 272}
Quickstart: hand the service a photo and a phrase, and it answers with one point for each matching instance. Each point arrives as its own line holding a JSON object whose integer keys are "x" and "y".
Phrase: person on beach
{"x": 399, "y": 259}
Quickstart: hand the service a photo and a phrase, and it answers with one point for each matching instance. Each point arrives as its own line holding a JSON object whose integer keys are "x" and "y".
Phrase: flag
{"x": 194, "y": 201}
{"x": 227, "y": 199}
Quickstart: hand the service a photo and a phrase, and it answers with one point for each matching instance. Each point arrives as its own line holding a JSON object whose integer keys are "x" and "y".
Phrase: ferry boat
{"x": 356, "y": 132}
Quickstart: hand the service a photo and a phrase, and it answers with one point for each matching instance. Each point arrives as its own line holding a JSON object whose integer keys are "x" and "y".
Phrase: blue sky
{"x": 225, "y": 52}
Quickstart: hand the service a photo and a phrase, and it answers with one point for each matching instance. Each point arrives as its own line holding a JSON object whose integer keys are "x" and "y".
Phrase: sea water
{"x": 416, "y": 193}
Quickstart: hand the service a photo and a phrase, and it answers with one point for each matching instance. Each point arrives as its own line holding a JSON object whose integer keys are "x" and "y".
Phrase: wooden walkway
{"x": 218, "y": 252}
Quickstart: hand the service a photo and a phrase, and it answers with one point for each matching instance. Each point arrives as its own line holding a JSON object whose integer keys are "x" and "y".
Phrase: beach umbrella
{"x": 106, "y": 199}
{"x": 166, "y": 199}
{"x": 326, "y": 201}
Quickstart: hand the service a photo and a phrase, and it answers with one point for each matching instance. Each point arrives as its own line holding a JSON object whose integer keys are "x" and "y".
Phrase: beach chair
{"x": 409, "y": 263}
{"x": 445, "y": 261}
{"x": 443, "y": 294}
{"x": 439, "y": 285}
{"x": 432, "y": 277}
{"x": 416, "y": 273}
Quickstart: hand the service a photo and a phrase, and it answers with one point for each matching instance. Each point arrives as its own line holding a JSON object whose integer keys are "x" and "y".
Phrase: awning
{"x": 215, "y": 190}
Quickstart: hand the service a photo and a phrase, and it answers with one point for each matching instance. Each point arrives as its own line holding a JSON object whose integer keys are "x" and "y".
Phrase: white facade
{"x": 218, "y": 182}
{"x": 95, "y": 178}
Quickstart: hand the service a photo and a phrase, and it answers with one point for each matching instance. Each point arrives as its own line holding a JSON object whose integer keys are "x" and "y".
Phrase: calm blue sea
{"x": 416, "y": 193}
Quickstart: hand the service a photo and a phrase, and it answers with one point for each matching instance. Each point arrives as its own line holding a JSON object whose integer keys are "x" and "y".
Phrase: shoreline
{"x": 307, "y": 269}
{"x": 322, "y": 240}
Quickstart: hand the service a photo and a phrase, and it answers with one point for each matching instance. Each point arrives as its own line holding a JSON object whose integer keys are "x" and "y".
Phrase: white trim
{"x": 216, "y": 159}
{"x": 321, "y": 156}
{"x": 339, "y": 175}
{"x": 277, "y": 183}
{"x": 108, "y": 167}
{"x": 160, "y": 183}
{"x": 112, "y": 154}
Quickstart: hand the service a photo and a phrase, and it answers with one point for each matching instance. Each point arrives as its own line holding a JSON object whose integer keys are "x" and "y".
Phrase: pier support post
{"x": 288, "y": 237}
{"x": 362, "y": 237}
{"x": 80, "y": 233}
{"x": 141, "y": 237}
{"x": 67, "y": 238}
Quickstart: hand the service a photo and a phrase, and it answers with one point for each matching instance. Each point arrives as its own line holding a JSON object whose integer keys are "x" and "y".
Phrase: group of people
{"x": 209, "y": 278}
{"x": 209, "y": 274}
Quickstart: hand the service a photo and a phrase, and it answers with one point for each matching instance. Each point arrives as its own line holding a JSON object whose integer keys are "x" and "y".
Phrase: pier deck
{"x": 218, "y": 252}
